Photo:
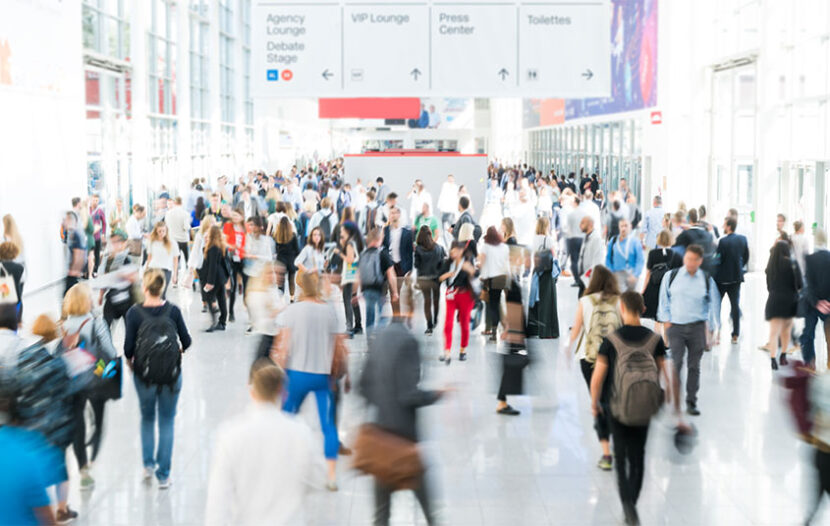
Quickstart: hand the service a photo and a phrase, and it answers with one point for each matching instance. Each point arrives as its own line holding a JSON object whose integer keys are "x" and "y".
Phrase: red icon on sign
{"x": 287, "y": 74}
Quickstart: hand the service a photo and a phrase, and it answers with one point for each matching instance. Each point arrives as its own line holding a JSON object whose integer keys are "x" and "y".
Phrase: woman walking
{"x": 494, "y": 265}
{"x": 349, "y": 249}
{"x": 458, "y": 275}
{"x": 215, "y": 277}
{"x": 197, "y": 256}
{"x": 311, "y": 258}
{"x": 151, "y": 326}
{"x": 660, "y": 260}
{"x": 429, "y": 257}
{"x": 288, "y": 248}
{"x": 597, "y": 317}
{"x": 163, "y": 255}
{"x": 235, "y": 233}
{"x": 783, "y": 283}
{"x": 543, "y": 315}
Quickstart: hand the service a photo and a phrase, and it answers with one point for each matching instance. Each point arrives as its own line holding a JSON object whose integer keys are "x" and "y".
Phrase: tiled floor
{"x": 538, "y": 468}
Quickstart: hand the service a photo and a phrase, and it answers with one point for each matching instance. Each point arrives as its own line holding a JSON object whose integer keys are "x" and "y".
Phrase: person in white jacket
{"x": 263, "y": 465}
{"x": 591, "y": 253}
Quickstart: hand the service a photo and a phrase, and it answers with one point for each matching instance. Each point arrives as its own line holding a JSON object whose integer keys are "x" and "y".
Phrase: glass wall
{"x": 612, "y": 150}
{"x": 227, "y": 35}
{"x": 161, "y": 91}
{"x": 199, "y": 86}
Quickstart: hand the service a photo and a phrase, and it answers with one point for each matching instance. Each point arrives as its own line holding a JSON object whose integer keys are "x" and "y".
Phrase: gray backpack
{"x": 636, "y": 395}
{"x": 369, "y": 269}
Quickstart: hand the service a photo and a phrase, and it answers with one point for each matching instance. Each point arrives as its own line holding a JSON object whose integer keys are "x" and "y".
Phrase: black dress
{"x": 783, "y": 283}
{"x": 664, "y": 259}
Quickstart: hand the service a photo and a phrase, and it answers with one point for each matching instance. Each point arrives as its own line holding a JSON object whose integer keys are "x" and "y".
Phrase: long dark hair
{"x": 424, "y": 238}
{"x": 353, "y": 232}
{"x": 604, "y": 282}
{"x": 779, "y": 257}
{"x": 200, "y": 207}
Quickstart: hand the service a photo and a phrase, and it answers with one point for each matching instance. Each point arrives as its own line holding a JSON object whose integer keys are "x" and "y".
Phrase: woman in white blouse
{"x": 311, "y": 258}
{"x": 163, "y": 254}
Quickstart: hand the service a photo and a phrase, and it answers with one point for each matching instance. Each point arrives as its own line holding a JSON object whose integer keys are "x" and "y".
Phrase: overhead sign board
{"x": 462, "y": 48}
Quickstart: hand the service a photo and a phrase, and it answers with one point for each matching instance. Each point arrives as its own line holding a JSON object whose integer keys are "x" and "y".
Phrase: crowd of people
{"x": 285, "y": 251}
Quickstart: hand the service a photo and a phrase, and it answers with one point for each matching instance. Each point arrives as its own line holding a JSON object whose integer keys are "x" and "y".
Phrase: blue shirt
{"x": 22, "y": 470}
{"x": 686, "y": 301}
{"x": 652, "y": 225}
{"x": 625, "y": 255}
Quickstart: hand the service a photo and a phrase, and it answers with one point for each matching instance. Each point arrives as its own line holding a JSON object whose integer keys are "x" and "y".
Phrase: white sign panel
{"x": 442, "y": 48}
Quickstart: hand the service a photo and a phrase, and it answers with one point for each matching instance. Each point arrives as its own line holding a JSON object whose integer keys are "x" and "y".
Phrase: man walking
{"x": 398, "y": 242}
{"x": 625, "y": 256}
{"x": 178, "y": 224}
{"x": 688, "y": 300}
{"x": 653, "y": 223}
{"x": 817, "y": 298}
{"x": 733, "y": 251}
{"x": 591, "y": 254}
{"x": 376, "y": 270}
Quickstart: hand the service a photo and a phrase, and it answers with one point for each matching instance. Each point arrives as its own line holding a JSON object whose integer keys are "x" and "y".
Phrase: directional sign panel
{"x": 462, "y": 48}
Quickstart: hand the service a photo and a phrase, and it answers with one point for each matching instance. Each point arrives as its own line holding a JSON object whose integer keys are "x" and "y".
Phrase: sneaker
{"x": 358, "y": 330}
{"x": 605, "y": 463}
{"x": 165, "y": 483}
{"x": 65, "y": 517}
{"x": 148, "y": 474}
{"x": 87, "y": 482}
{"x": 692, "y": 409}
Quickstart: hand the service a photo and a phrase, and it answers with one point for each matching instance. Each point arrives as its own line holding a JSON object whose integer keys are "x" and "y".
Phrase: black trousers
{"x": 822, "y": 464}
{"x": 217, "y": 295}
{"x": 114, "y": 312}
{"x": 69, "y": 282}
{"x": 431, "y": 291}
{"x": 493, "y": 306}
{"x": 629, "y": 453}
{"x": 79, "y": 442}
{"x": 183, "y": 248}
{"x": 352, "y": 310}
{"x": 383, "y": 501}
{"x": 236, "y": 271}
{"x": 574, "y": 245}
{"x": 97, "y": 252}
{"x": 733, "y": 290}
{"x": 601, "y": 422}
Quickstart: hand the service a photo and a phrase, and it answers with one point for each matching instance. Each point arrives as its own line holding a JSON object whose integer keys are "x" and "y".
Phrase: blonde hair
{"x": 206, "y": 224}
{"x": 465, "y": 233}
{"x": 45, "y": 327}
{"x": 543, "y": 226}
{"x": 283, "y": 232}
{"x": 309, "y": 285}
{"x": 266, "y": 378}
{"x": 664, "y": 238}
{"x": 78, "y": 301}
{"x": 216, "y": 238}
{"x": 155, "y": 236}
{"x": 509, "y": 229}
{"x": 153, "y": 282}
{"x": 11, "y": 232}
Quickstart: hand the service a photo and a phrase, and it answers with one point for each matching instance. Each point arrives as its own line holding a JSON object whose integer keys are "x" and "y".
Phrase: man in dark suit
{"x": 733, "y": 252}
{"x": 389, "y": 383}
{"x": 398, "y": 242}
{"x": 464, "y": 217}
{"x": 817, "y": 297}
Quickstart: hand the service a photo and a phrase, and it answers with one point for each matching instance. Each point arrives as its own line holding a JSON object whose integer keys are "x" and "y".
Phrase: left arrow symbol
{"x": 327, "y": 74}
{"x": 415, "y": 73}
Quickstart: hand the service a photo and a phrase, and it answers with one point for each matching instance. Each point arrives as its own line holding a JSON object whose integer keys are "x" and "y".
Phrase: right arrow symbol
{"x": 588, "y": 74}
{"x": 503, "y": 73}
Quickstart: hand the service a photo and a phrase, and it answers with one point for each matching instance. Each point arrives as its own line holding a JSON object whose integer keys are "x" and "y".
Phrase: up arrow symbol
{"x": 415, "y": 73}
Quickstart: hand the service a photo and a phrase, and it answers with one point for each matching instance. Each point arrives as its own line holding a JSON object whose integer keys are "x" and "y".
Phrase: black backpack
{"x": 44, "y": 391}
{"x": 157, "y": 355}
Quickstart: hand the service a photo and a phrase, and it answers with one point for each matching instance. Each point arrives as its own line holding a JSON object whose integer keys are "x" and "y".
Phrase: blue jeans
{"x": 299, "y": 385}
{"x": 150, "y": 396}
{"x": 374, "y": 304}
{"x": 808, "y": 337}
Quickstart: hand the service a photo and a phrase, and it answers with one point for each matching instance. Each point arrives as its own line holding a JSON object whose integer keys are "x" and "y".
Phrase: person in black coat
{"x": 696, "y": 234}
{"x": 398, "y": 242}
{"x": 783, "y": 283}
{"x": 8, "y": 252}
{"x": 215, "y": 276}
{"x": 732, "y": 255}
{"x": 816, "y": 298}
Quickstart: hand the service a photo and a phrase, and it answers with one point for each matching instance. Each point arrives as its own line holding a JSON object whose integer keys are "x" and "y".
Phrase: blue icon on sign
{"x": 273, "y": 75}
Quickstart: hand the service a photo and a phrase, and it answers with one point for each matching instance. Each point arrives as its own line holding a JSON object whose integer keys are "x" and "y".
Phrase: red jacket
{"x": 230, "y": 239}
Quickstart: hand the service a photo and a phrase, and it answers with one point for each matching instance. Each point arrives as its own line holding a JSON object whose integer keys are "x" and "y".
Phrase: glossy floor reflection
{"x": 535, "y": 469}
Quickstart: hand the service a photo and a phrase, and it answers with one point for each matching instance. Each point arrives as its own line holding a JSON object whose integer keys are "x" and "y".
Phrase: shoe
{"x": 486, "y": 332}
{"x": 65, "y": 517}
{"x": 193, "y": 285}
{"x": 231, "y": 318}
{"x": 493, "y": 338}
{"x": 774, "y": 364}
{"x": 782, "y": 360}
{"x": 763, "y": 348}
{"x": 148, "y": 474}
{"x": 204, "y": 308}
{"x": 630, "y": 512}
{"x": 428, "y": 332}
{"x": 462, "y": 357}
{"x": 249, "y": 330}
{"x": 692, "y": 409}
{"x": 331, "y": 485}
{"x": 447, "y": 359}
{"x": 734, "y": 340}
{"x": 221, "y": 327}
{"x": 87, "y": 482}
{"x": 344, "y": 451}
{"x": 213, "y": 328}
{"x": 358, "y": 330}
{"x": 605, "y": 463}
{"x": 508, "y": 410}
{"x": 165, "y": 483}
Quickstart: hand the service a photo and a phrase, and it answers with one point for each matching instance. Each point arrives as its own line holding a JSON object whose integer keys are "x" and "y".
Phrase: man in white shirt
{"x": 653, "y": 223}
{"x": 263, "y": 465}
{"x": 448, "y": 201}
{"x": 587, "y": 207}
{"x": 178, "y": 224}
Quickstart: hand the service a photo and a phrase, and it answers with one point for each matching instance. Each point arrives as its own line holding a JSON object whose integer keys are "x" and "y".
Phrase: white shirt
{"x": 263, "y": 466}
{"x": 539, "y": 241}
{"x": 178, "y": 222}
{"x": 448, "y": 198}
{"x": 134, "y": 227}
{"x": 160, "y": 257}
{"x": 590, "y": 209}
{"x": 395, "y": 243}
{"x": 496, "y": 260}
{"x": 417, "y": 202}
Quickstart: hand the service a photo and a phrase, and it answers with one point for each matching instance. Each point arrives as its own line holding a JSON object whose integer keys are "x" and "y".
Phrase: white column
{"x": 140, "y": 124}
{"x": 183, "y": 103}
{"x": 214, "y": 106}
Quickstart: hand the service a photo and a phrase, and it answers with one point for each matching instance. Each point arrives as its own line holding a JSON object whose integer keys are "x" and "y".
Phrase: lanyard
{"x": 627, "y": 248}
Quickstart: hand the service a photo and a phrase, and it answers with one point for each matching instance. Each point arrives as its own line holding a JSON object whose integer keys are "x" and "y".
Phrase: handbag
{"x": 8, "y": 290}
{"x": 390, "y": 458}
{"x": 107, "y": 381}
